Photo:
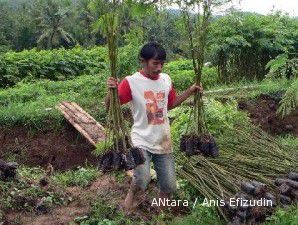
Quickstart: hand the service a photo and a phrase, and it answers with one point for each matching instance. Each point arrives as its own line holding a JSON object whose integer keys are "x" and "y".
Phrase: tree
{"x": 5, "y": 27}
{"x": 239, "y": 37}
{"x": 52, "y": 23}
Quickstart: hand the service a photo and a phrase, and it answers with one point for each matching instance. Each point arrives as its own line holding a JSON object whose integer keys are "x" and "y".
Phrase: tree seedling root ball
{"x": 119, "y": 160}
{"x": 288, "y": 188}
{"x": 7, "y": 170}
{"x": 193, "y": 144}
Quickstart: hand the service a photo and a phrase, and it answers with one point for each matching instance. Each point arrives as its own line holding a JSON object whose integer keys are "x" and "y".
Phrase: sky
{"x": 265, "y": 6}
{"x": 262, "y": 6}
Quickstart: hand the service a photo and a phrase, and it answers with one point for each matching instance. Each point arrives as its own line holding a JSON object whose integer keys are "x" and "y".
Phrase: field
{"x": 34, "y": 133}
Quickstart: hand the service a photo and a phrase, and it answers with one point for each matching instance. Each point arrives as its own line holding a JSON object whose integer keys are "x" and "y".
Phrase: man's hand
{"x": 194, "y": 88}
{"x": 186, "y": 94}
{"x": 112, "y": 82}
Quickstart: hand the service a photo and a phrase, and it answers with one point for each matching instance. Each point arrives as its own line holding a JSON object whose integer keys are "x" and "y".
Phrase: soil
{"x": 64, "y": 149}
{"x": 105, "y": 187}
{"x": 67, "y": 149}
{"x": 262, "y": 111}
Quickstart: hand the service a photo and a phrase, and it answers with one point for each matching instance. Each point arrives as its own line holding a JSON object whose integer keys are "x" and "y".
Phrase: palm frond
{"x": 45, "y": 35}
{"x": 289, "y": 101}
{"x": 66, "y": 36}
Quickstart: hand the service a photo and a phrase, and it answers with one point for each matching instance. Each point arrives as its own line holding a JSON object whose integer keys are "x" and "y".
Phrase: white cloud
{"x": 266, "y": 6}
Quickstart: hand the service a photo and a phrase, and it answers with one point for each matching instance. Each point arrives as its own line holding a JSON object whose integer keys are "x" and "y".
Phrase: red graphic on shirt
{"x": 155, "y": 103}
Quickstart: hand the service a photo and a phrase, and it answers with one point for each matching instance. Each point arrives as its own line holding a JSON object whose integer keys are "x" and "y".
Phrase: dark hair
{"x": 153, "y": 50}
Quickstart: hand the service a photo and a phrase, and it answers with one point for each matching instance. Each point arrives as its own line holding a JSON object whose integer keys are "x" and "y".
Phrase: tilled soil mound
{"x": 64, "y": 149}
{"x": 262, "y": 111}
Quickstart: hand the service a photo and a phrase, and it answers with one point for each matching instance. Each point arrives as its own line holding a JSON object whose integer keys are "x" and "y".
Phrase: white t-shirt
{"x": 149, "y": 107}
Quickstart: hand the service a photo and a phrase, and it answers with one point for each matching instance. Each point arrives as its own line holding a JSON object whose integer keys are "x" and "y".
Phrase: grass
{"x": 82, "y": 176}
{"x": 33, "y": 104}
{"x": 284, "y": 216}
{"x": 104, "y": 214}
{"x": 289, "y": 140}
{"x": 200, "y": 215}
{"x": 266, "y": 86}
{"x": 23, "y": 193}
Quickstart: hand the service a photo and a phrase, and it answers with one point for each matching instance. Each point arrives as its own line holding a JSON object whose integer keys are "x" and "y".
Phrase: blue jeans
{"x": 165, "y": 171}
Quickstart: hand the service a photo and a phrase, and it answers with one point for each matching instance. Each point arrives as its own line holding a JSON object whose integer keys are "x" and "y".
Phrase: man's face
{"x": 153, "y": 66}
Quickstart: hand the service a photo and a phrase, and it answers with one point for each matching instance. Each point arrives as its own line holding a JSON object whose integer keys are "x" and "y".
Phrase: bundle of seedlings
{"x": 197, "y": 139}
{"x": 251, "y": 205}
{"x": 7, "y": 170}
{"x": 247, "y": 153}
{"x": 118, "y": 151}
{"x": 288, "y": 189}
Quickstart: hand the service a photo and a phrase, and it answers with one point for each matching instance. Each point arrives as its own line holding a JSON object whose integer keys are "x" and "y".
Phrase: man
{"x": 151, "y": 94}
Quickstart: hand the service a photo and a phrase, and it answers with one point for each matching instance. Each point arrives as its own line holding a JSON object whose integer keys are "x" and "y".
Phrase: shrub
{"x": 34, "y": 104}
{"x": 58, "y": 64}
{"x": 283, "y": 66}
{"x": 182, "y": 74}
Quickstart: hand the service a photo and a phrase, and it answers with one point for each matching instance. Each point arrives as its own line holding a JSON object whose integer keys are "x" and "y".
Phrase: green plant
{"x": 80, "y": 177}
{"x": 34, "y": 104}
{"x": 182, "y": 79}
{"x": 58, "y": 64}
{"x": 104, "y": 214}
{"x": 284, "y": 216}
{"x": 283, "y": 67}
{"x": 290, "y": 141}
{"x": 200, "y": 215}
{"x": 34, "y": 173}
{"x": 52, "y": 22}
{"x": 289, "y": 101}
{"x": 128, "y": 59}
{"x": 24, "y": 193}
{"x": 239, "y": 37}
{"x": 177, "y": 65}
{"x": 182, "y": 74}
{"x": 219, "y": 117}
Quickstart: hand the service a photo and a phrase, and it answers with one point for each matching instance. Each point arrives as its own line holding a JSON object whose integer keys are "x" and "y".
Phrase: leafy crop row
{"x": 58, "y": 64}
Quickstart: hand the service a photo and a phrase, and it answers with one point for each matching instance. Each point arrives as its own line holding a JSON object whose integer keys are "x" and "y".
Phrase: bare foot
{"x": 128, "y": 202}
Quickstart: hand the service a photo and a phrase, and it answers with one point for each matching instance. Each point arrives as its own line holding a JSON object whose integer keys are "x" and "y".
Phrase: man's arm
{"x": 185, "y": 95}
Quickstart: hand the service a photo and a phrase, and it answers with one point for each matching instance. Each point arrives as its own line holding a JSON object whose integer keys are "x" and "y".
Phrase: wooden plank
{"x": 93, "y": 131}
{"x": 88, "y": 124}
{"x": 83, "y": 117}
{"x": 71, "y": 119}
